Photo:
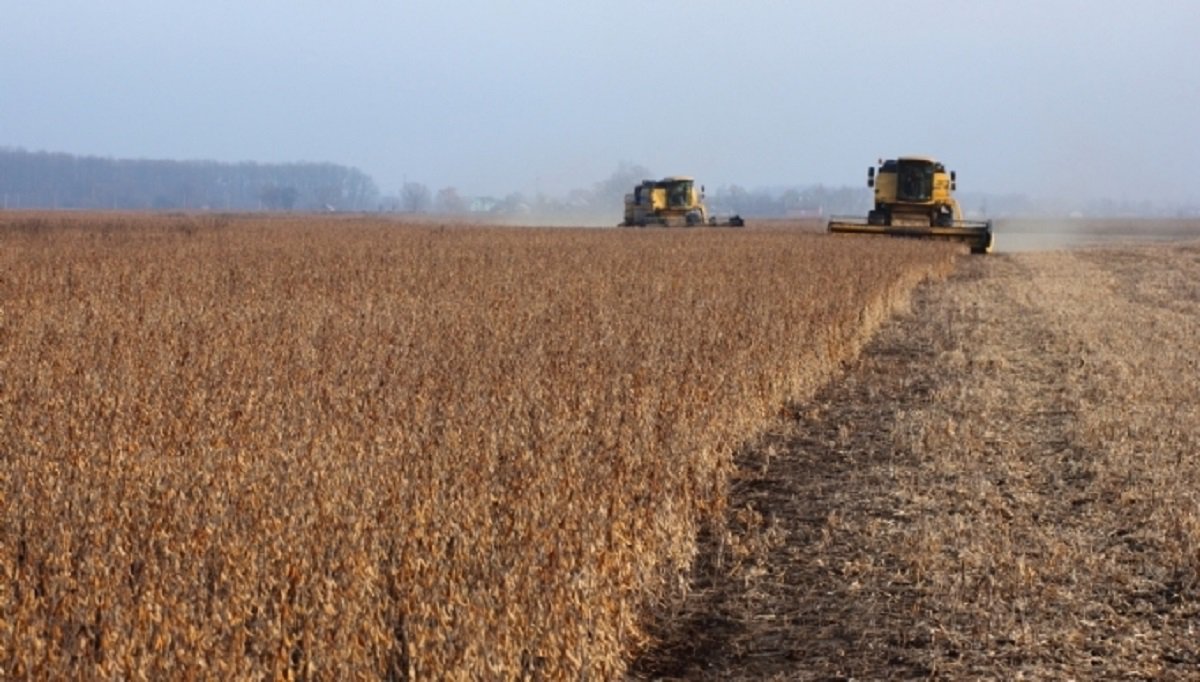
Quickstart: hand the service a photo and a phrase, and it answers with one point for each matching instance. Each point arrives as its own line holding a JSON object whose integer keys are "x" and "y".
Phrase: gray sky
{"x": 1088, "y": 99}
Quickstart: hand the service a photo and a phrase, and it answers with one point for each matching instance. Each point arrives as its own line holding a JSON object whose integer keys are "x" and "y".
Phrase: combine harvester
{"x": 913, "y": 199}
{"x": 671, "y": 202}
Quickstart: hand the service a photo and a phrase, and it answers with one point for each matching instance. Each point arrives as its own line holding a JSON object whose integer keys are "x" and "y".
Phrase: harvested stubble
{"x": 256, "y": 447}
{"x": 1056, "y": 497}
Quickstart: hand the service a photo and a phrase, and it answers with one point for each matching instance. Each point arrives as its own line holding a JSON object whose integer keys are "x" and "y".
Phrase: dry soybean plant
{"x": 312, "y": 448}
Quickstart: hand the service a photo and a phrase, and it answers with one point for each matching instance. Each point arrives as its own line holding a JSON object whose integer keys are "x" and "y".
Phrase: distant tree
{"x": 326, "y": 197}
{"x": 612, "y": 191}
{"x": 448, "y": 201}
{"x": 414, "y": 197}
{"x": 270, "y": 197}
{"x": 514, "y": 204}
{"x": 791, "y": 200}
{"x": 389, "y": 204}
{"x": 287, "y": 197}
{"x": 735, "y": 197}
{"x": 275, "y": 198}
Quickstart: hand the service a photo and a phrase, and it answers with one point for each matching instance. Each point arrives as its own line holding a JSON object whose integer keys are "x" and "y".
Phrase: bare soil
{"x": 1003, "y": 486}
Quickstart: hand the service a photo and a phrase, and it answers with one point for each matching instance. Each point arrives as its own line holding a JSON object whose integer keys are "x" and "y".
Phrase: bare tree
{"x": 448, "y": 201}
{"x": 414, "y": 197}
{"x": 611, "y": 191}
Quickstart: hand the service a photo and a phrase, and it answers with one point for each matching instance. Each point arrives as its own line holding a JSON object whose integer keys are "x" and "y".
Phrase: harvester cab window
{"x": 678, "y": 195}
{"x": 915, "y": 182}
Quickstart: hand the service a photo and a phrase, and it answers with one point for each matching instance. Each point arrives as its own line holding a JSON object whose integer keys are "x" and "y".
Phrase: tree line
{"x": 65, "y": 181}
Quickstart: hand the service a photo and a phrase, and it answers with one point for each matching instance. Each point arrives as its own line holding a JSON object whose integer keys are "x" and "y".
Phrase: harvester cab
{"x": 914, "y": 198}
{"x": 671, "y": 202}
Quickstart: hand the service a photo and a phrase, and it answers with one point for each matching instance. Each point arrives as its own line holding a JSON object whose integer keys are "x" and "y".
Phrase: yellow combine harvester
{"x": 913, "y": 199}
{"x": 671, "y": 202}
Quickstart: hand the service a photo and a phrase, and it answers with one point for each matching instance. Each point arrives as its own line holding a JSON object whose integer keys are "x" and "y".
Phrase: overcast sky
{"x": 1089, "y": 99}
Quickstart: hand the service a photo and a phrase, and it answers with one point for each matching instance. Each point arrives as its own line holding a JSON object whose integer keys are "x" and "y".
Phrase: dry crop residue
{"x": 1005, "y": 485}
{"x": 278, "y": 447}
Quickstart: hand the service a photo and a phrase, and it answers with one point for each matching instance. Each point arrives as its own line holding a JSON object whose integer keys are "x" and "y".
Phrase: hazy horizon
{"x": 1056, "y": 98}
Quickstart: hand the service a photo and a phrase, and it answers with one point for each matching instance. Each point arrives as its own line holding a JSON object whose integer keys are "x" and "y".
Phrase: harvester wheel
{"x": 694, "y": 218}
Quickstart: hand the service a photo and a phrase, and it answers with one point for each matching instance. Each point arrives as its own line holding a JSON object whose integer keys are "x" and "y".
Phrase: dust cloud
{"x": 1013, "y": 236}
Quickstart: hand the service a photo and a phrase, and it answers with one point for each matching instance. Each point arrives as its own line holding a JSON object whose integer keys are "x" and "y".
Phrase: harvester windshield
{"x": 914, "y": 180}
{"x": 679, "y": 193}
